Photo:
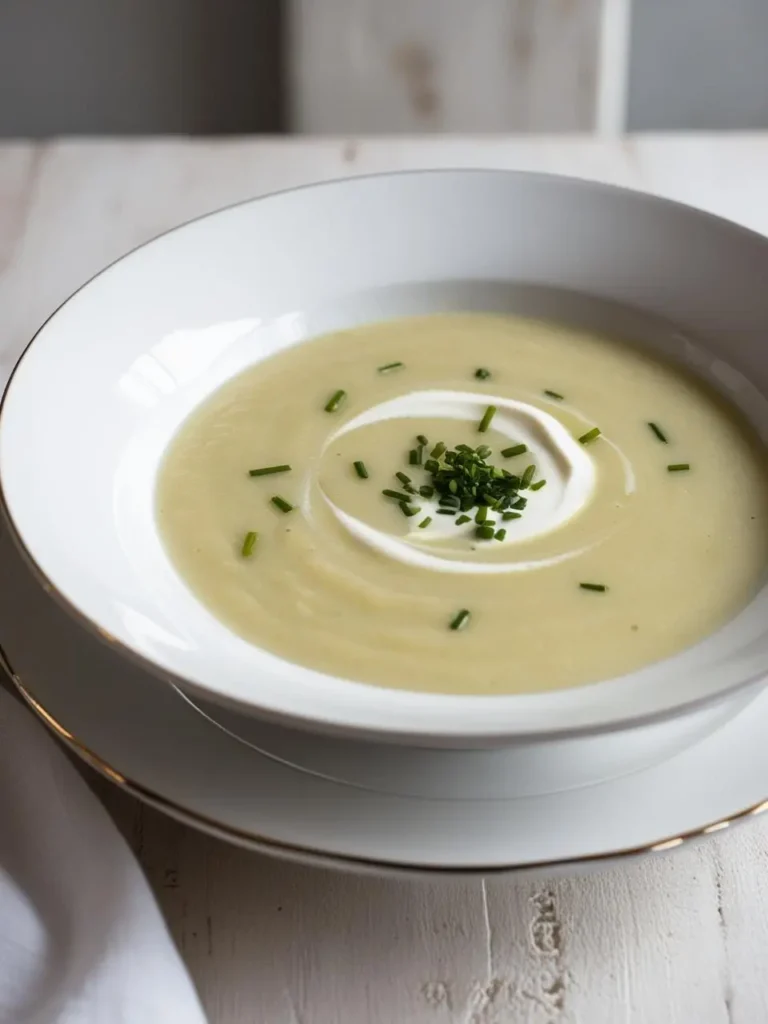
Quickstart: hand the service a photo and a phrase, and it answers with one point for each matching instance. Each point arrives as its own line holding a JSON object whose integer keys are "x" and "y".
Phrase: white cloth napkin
{"x": 81, "y": 938}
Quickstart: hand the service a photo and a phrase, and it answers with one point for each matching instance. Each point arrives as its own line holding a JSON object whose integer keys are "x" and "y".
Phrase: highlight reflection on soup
{"x": 467, "y": 503}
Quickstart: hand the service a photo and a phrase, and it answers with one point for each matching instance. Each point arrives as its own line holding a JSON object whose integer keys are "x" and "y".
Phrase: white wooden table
{"x": 680, "y": 939}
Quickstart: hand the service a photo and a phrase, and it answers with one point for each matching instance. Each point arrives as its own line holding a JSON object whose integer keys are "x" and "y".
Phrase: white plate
{"x": 150, "y": 740}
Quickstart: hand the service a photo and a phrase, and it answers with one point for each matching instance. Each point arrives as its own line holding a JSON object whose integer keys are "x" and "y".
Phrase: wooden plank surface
{"x": 677, "y": 939}
{"x": 443, "y": 65}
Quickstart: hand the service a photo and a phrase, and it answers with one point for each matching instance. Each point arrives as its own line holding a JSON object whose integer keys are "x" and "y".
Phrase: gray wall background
{"x": 140, "y": 66}
{"x": 698, "y": 65}
{"x": 227, "y": 66}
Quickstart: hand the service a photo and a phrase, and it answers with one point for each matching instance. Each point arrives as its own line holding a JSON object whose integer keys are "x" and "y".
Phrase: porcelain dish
{"x": 108, "y": 379}
{"x": 228, "y": 774}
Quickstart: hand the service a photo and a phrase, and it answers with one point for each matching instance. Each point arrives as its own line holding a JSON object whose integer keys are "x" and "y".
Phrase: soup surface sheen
{"x": 352, "y": 583}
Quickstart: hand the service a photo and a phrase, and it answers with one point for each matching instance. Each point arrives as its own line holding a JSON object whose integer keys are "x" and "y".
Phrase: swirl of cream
{"x": 564, "y": 463}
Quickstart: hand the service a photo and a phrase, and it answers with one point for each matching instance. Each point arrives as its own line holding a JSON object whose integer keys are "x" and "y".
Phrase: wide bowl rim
{"x": 406, "y": 732}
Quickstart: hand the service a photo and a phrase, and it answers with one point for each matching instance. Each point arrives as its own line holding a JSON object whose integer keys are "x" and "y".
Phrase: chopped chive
{"x": 484, "y": 532}
{"x": 460, "y": 620}
{"x": 281, "y": 503}
{"x": 463, "y": 519}
{"x": 423, "y": 441}
{"x": 425, "y": 523}
{"x": 599, "y": 588}
{"x": 409, "y": 510}
{"x": 248, "y": 544}
{"x": 516, "y": 449}
{"x": 679, "y": 467}
{"x": 335, "y": 401}
{"x": 590, "y": 435}
{"x": 397, "y": 495}
{"x": 511, "y": 515}
{"x": 554, "y": 394}
{"x": 482, "y": 514}
{"x": 659, "y": 432}
{"x": 426, "y": 491}
{"x": 403, "y": 478}
{"x": 388, "y": 367}
{"x": 447, "y": 511}
{"x": 519, "y": 503}
{"x": 500, "y": 534}
{"x": 361, "y": 470}
{"x": 485, "y": 422}
{"x": 527, "y": 477}
{"x": 538, "y": 485}
{"x": 438, "y": 450}
{"x": 415, "y": 456}
{"x": 268, "y": 470}
{"x": 482, "y": 374}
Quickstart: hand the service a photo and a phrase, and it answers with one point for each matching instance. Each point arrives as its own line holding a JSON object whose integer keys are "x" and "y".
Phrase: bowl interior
{"x": 110, "y": 377}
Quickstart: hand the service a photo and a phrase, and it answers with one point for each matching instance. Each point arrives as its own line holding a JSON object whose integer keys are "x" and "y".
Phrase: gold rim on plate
{"x": 275, "y": 847}
{"x": 240, "y": 836}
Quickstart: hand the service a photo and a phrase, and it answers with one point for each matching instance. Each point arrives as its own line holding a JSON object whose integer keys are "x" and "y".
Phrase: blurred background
{"x": 117, "y": 67}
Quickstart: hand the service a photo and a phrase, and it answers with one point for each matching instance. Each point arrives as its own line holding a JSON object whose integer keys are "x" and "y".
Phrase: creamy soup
{"x": 467, "y": 503}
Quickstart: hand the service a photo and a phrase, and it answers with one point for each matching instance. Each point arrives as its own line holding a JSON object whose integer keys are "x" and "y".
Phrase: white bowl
{"x": 108, "y": 379}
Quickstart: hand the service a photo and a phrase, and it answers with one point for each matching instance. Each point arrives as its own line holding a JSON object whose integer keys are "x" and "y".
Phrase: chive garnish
{"x": 465, "y": 485}
{"x": 590, "y": 435}
{"x": 335, "y": 401}
{"x": 500, "y": 534}
{"x": 425, "y": 523}
{"x": 538, "y": 485}
{"x": 600, "y": 588}
{"x": 281, "y": 503}
{"x": 423, "y": 441}
{"x": 659, "y": 432}
{"x": 554, "y": 394}
{"x": 248, "y": 544}
{"x": 679, "y": 467}
{"x": 516, "y": 449}
{"x": 361, "y": 470}
{"x": 485, "y": 422}
{"x": 268, "y": 470}
{"x": 409, "y": 510}
{"x": 460, "y": 620}
{"x": 482, "y": 374}
{"x": 387, "y": 367}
